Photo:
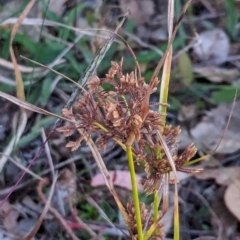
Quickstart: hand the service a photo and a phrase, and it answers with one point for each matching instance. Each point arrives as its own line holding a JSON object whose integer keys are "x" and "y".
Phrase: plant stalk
{"x": 163, "y": 99}
{"x": 155, "y": 207}
{"x": 135, "y": 193}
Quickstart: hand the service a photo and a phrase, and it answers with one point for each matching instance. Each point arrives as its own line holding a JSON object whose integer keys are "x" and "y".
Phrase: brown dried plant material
{"x": 229, "y": 222}
{"x": 131, "y": 222}
{"x": 58, "y": 216}
{"x": 206, "y": 238}
{"x": 66, "y": 186}
{"x": 124, "y": 114}
{"x": 156, "y": 166}
{"x": 223, "y": 176}
{"x": 227, "y": 177}
{"x": 9, "y": 214}
{"x": 140, "y": 11}
{"x": 119, "y": 178}
{"x": 217, "y": 74}
{"x": 215, "y": 122}
{"x": 209, "y": 43}
{"x": 121, "y": 111}
{"x": 57, "y": 6}
{"x": 232, "y": 198}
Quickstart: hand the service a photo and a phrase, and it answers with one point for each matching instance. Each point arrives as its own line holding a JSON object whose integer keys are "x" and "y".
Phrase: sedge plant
{"x": 124, "y": 115}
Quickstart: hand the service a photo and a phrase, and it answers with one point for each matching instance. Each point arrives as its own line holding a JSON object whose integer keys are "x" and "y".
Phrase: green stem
{"x": 155, "y": 207}
{"x": 163, "y": 99}
{"x": 156, "y": 194}
{"x": 135, "y": 193}
{"x": 176, "y": 215}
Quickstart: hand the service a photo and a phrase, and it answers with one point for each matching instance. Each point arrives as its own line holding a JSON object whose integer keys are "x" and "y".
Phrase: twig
{"x": 56, "y": 213}
{"x": 49, "y": 157}
{"x": 50, "y": 162}
{"x": 22, "y": 167}
{"x": 22, "y": 185}
{"x": 143, "y": 44}
{"x": 46, "y": 208}
{"x": 214, "y": 215}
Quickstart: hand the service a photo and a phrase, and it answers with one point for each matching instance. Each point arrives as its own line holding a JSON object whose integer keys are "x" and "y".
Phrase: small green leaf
{"x": 232, "y": 17}
{"x": 225, "y": 95}
{"x": 147, "y": 56}
{"x": 46, "y": 91}
{"x": 185, "y": 69}
{"x": 35, "y": 131}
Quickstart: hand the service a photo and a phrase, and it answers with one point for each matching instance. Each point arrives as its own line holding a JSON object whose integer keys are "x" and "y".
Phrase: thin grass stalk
{"x": 151, "y": 229}
{"x": 135, "y": 192}
{"x": 163, "y": 98}
{"x": 156, "y": 199}
{"x": 176, "y": 227}
{"x": 155, "y": 207}
{"x": 165, "y": 203}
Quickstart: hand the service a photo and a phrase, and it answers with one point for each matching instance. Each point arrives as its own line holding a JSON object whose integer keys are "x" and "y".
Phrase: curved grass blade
{"x": 91, "y": 69}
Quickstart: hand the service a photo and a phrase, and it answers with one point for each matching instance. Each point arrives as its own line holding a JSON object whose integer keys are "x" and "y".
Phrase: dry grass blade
{"x": 106, "y": 176}
{"x": 5, "y": 191}
{"x": 92, "y": 68}
{"x": 20, "y": 88}
{"x": 22, "y": 167}
{"x": 55, "y": 212}
{"x": 162, "y": 60}
{"x": 62, "y": 75}
{"x": 19, "y": 81}
{"x": 51, "y": 165}
{"x": 169, "y": 155}
{"x": 44, "y": 212}
{"x": 22, "y": 68}
{"x": 22, "y": 121}
{"x": 49, "y": 23}
{"x": 30, "y": 106}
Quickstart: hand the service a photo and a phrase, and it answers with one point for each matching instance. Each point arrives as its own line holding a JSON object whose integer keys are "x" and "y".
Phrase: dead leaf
{"x": 119, "y": 178}
{"x": 232, "y": 198}
{"x": 212, "y": 46}
{"x": 187, "y": 112}
{"x": 35, "y": 229}
{"x": 57, "y": 6}
{"x": 9, "y": 214}
{"x": 208, "y": 133}
{"x": 140, "y": 11}
{"x": 205, "y": 238}
{"x": 66, "y": 185}
{"x": 228, "y": 221}
{"x": 216, "y": 74}
{"x": 223, "y": 176}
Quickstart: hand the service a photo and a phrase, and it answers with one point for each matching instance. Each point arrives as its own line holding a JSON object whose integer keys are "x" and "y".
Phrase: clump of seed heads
{"x": 123, "y": 114}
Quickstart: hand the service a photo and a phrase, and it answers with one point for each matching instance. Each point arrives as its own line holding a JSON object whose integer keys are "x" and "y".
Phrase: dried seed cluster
{"x": 146, "y": 222}
{"x": 120, "y": 111}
